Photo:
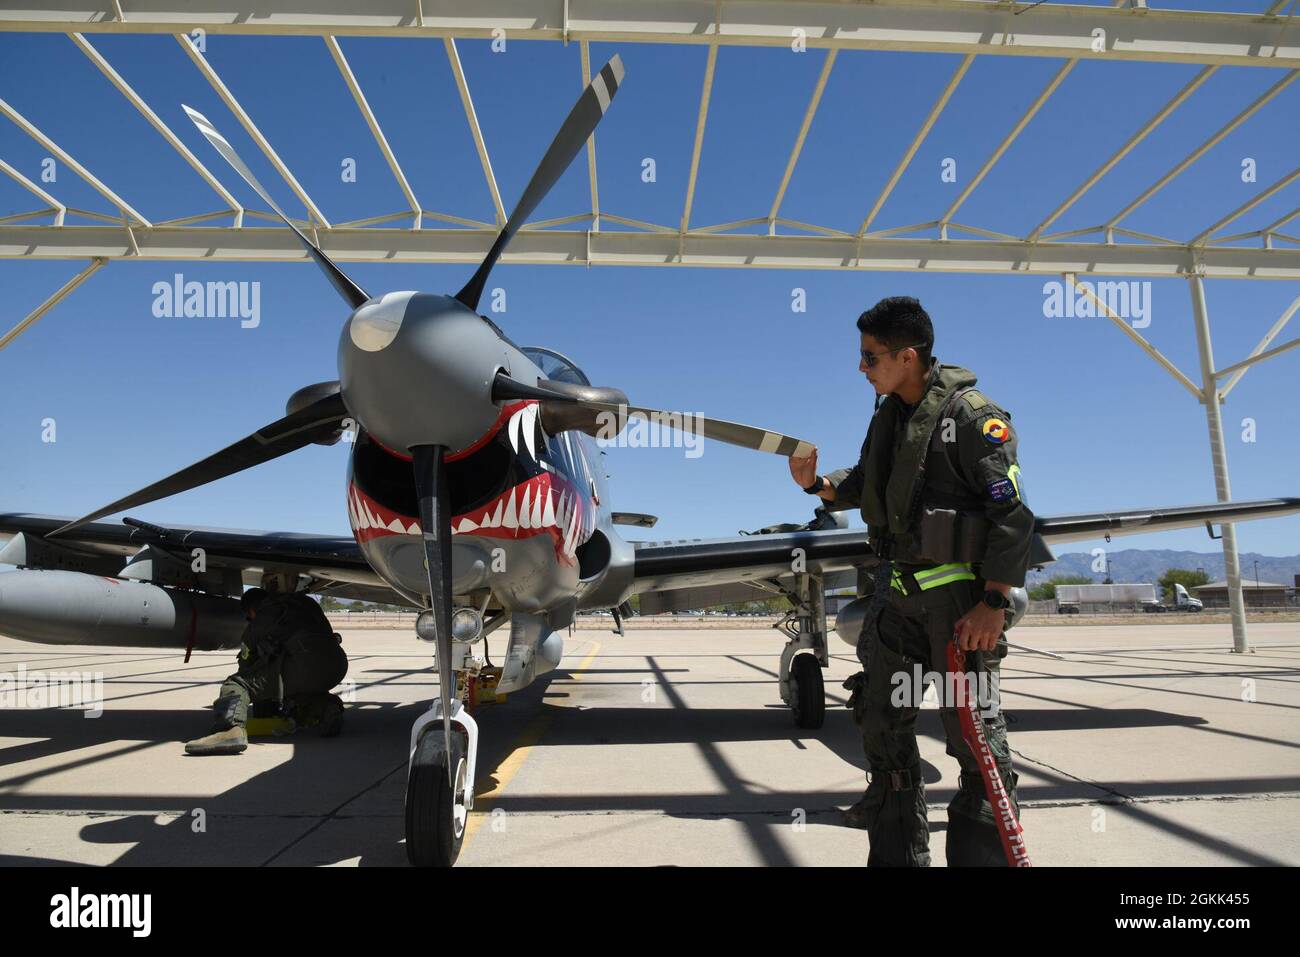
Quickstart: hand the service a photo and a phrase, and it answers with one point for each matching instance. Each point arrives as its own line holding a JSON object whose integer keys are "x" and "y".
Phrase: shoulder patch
{"x": 1002, "y": 490}
{"x": 973, "y": 399}
{"x": 995, "y": 430}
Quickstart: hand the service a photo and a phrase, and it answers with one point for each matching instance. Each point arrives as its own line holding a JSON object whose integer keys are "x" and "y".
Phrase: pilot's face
{"x": 886, "y": 370}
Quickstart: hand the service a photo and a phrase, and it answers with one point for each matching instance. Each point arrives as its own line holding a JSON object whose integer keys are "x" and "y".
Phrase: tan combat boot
{"x": 230, "y": 741}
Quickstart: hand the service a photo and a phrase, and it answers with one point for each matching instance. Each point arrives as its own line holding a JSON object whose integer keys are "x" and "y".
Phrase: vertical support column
{"x": 1218, "y": 454}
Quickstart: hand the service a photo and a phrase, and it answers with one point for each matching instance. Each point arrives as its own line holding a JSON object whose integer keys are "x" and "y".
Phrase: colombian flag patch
{"x": 996, "y": 431}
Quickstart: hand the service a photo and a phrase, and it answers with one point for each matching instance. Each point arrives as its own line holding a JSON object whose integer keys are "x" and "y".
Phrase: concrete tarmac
{"x": 661, "y": 747}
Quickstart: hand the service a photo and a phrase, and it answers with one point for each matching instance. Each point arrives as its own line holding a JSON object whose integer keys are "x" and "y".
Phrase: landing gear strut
{"x": 804, "y": 655}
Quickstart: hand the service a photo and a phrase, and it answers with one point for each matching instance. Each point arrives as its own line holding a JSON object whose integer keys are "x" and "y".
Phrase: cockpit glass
{"x": 555, "y": 367}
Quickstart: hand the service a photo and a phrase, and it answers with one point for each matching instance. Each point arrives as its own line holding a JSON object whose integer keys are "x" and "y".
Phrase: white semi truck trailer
{"x": 1069, "y": 598}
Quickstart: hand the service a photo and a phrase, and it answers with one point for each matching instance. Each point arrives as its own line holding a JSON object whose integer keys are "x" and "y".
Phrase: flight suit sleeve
{"x": 848, "y": 483}
{"x": 263, "y": 634}
{"x": 986, "y": 447}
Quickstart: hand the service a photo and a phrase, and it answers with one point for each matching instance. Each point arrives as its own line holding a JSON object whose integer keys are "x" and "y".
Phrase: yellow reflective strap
{"x": 1014, "y": 474}
{"x": 944, "y": 575}
{"x": 897, "y": 581}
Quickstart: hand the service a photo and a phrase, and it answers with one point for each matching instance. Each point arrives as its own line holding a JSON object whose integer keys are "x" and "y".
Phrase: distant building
{"x": 1255, "y": 594}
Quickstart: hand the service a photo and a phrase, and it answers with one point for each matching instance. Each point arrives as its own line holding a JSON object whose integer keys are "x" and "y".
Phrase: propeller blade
{"x": 349, "y": 290}
{"x": 719, "y": 430}
{"x": 315, "y": 422}
{"x": 573, "y": 135}
{"x": 505, "y": 388}
{"x": 431, "y": 488}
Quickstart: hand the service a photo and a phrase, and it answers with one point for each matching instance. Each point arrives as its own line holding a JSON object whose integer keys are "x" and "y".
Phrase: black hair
{"x": 898, "y": 322}
{"x": 252, "y": 598}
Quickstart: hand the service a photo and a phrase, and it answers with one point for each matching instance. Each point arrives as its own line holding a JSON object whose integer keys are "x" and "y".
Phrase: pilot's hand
{"x": 979, "y": 629}
{"x": 804, "y": 470}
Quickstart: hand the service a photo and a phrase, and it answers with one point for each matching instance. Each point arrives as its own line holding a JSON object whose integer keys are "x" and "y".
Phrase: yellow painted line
{"x": 507, "y": 769}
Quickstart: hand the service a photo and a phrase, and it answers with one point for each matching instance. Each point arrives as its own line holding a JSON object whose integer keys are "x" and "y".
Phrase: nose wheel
{"x": 439, "y": 786}
{"x": 435, "y": 810}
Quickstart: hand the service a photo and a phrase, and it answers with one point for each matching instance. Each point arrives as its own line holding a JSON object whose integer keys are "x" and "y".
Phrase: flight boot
{"x": 224, "y": 741}
{"x": 856, "y": 816}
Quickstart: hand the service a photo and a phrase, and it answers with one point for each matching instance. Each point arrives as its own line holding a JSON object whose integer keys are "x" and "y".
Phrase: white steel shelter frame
{"x": 1132, "y": 31}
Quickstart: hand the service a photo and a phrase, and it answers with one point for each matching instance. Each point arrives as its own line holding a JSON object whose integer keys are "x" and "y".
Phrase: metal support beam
{"x": 1133, "y": 334}
{"x": 60, "y": 211}
{"x": 1257, "y": 354}
{"x": 654, "y": 247}
{"x": 1053, "y": 29}
{"x": 66, "y": 159}
{"x": 50, "y": 303}
{"x": 706, "y": 91}
{"x": 164, "y": 131}
{"x": 375, "y": 129}
{"x": 935, "y": 110}
{"x": 1218, "y": 455}
{"x": 250, "y": 127}
{"x": 1007, "y": 140}
{"x": 1192, "y": 86}
{"x": 818, "y": 89}
{"x": 453, "y": 58}
{"x": 1205, "y": 147}
{"x": 1247, "y": 206}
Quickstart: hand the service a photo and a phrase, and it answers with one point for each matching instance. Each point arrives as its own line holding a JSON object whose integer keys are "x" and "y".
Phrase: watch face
{"x": 995, "y": 599}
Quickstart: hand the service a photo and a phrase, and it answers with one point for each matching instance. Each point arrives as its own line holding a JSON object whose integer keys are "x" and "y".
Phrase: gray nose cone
{"x": 417, "y": 369}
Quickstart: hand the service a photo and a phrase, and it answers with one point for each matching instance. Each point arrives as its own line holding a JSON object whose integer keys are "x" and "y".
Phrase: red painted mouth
{"x": 546, "y": 504}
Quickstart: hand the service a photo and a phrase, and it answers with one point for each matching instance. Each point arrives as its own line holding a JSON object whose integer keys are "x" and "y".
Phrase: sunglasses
{"x": 871, "y": 358}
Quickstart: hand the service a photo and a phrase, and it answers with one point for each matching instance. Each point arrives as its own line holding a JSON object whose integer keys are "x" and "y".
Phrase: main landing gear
{"x": 805, "y": 655}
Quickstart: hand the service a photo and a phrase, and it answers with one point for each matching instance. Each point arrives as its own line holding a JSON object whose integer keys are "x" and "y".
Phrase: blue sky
{"x": 1100, "y": 425}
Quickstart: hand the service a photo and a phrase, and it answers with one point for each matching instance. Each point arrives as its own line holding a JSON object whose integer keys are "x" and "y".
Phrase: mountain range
{"x": 1147, "y": 565}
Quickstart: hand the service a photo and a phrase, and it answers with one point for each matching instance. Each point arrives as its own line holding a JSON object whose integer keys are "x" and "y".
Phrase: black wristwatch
{"x": 995, "y": 599}
{"x": 816, "y": 486}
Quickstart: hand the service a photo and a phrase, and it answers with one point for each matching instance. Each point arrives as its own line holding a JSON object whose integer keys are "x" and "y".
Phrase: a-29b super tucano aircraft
{"x": 476, "y": 494}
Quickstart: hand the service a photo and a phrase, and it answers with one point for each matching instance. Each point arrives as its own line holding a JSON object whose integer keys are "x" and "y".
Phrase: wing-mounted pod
{"x": 161, "y": 567}
{"x": 31, "y": 551}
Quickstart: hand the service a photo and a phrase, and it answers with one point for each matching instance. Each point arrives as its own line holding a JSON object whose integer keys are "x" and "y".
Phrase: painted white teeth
{"x": 525, "y": 511}
{"x": 510, "y": 520}
{"x": 535, "y": 518}
{"x": 514, "y": 432}
{"x": 548, "y": 515}
{"x": 529, "y": 426}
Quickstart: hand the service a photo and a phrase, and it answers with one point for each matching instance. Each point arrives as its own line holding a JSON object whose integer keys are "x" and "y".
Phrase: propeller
{"x": 505, "y": 388}
{"x": 348, "y": 289}
{"x": 573, "y": 135}
{"x": 313, "y": 423}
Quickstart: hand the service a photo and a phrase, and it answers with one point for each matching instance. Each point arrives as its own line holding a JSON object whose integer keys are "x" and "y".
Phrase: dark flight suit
{"x": 969, "y": 466}
{"x": 289, "y": 654}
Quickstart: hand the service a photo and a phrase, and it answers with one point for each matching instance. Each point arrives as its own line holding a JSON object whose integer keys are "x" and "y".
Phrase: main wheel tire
{"x": 807, "y": 691}
{"x": 435, "y": 820}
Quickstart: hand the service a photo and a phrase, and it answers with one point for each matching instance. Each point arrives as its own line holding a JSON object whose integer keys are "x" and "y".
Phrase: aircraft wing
{"x": 698, "y": 569}
{"x": 335, "y": 563}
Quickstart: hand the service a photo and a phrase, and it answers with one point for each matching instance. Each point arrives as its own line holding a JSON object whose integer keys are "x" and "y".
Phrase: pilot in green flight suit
{"x": 939, "y": 489}
{"x": 289, "y": 656}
